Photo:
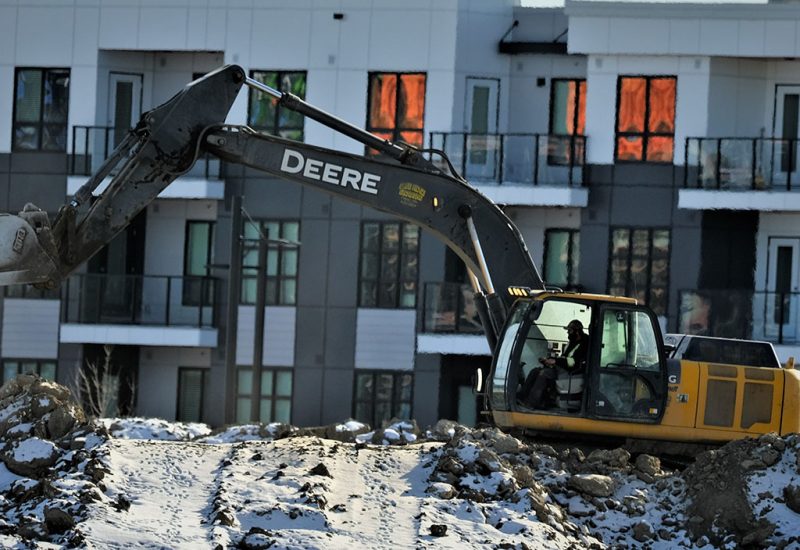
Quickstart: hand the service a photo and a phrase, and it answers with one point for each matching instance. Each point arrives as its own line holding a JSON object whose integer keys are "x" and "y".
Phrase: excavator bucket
{"x": 23, "y": 258}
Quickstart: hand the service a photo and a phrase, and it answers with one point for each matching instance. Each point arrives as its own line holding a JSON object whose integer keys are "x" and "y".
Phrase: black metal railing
{"x": 449, "y": 308}
{"x": 752, "y": 315}
{"x": 532, "y": 159}
{"x": 768, "y": 163}
{"x": 91, "y": 145}
{"x": 139, "y": 300}
{"x": 30, "y": 292}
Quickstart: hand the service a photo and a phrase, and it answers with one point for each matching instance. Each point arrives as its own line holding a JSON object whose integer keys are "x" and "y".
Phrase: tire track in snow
{"x": 382, "y": 506}
{"x": 169, "y": 485}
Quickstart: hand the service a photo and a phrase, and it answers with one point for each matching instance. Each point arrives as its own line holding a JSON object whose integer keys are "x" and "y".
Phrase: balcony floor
{"x": 534, "y": 195}
{"x": 765, "y": 201}
{"x": 453, "y": 344}
{"x": 134, "y": 335}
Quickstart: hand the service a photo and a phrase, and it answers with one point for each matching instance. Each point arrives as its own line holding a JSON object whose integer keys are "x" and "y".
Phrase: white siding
{"x": 385, "y": 339}
{"x": 532, "y": 223}
{"x": 157, "y": 389}
{"x": 279, "y": 335}
{"x": 691, "y": 109}
{"x": 30, "y": 328}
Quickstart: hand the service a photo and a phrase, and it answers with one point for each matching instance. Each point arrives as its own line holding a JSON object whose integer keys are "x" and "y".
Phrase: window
{"x": 264, "y": 113}
{"x": 382, "y": 395}
{"x": 14, "y": 367}
{"x": 640, "y": 266}
{"x": 41, "y": 104}
{"x": 276, "y": 395}
{"x": 198, "y": 254}
{"x": 561, "y": 257}
{"x": 645, "y": 118}
{"x": 282, "y": 261}
{"x": 389, "y": 259}
{"x": 568, "y": 107}
{"x": 191, "y": 393}
{"x": 397, "y": 106}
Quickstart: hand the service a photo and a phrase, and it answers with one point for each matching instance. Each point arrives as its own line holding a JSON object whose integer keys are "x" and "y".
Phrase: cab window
{"x": 630, "y": 374}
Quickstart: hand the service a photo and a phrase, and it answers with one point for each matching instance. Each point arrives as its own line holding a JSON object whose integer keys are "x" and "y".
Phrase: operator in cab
{"x": 539, "y": 386}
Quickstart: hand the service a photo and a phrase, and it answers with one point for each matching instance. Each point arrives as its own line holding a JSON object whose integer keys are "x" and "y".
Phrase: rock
{"x": 506, "y": 444}
{"x": 649, "y": 465}
{"x": 488, "y": 461}
{"x": 31, "y": 457}
{"x": 320, "y": 470}
{"x": 226, "y": 518}
{"x": 257, "y": 539}
{"x": 643, "y": 531}
{"x": 770, "y": 456}
{"x": 791, "y": 494}
{"x": 442, "y": 490}
{"x": 57, "y": 520}
{"x": 758, "y": 537}
{"x": 16, "y": 386}
{"x": 451, "y": 465}
{"x": 593, "y": 484}
{"x": 61, "y": 421}
{"x": 438, "y": 530}
{"x": 524, "y": 476}
{"x": 444, "y": 430}
{"x": 616, "y": 458}
{"x": 56, "y": 391}
{"x": 43, "y": 404}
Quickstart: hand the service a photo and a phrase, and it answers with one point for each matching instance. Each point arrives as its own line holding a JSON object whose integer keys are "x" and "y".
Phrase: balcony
{"x": 741, "y": 174}
{"x": 519, "y": 169}
{"x": 746, "y": 314}
{"x": 450, "y": 322}
{"x": 92, "y": 145}
{"x": 139, "y": 310}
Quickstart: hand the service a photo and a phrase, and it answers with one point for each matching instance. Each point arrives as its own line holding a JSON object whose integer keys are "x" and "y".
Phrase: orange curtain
{"x": 383, "y": 101}
{"x": 581, "y": 130}
{"x": 631, "y": 105}
{"x": 412, "y": 101}
{"x": 662, "y": 106}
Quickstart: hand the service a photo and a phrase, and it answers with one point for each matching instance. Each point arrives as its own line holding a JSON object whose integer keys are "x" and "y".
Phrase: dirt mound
{"x": 51, "y": 466}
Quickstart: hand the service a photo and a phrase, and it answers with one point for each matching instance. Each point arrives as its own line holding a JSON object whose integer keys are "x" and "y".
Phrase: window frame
{"x": 277, "y": 299}
{"x": 20, "y": 360}
{"x": 394, "y": 402}
{"x": 204, "y": 372}
{"x": 40, "y": 124}
{"x": 646, "y": 134}
{"x": 274, "y": 397}
{"x": 401, "y": 255}
{"x": 396, "y": 130}
{"x": 629, "y": 271}
{"x": 188, "y": 297}
{"x": 275, "y": 129}
{"x": 576, "y": 116}
{"x": 572, "y": 278}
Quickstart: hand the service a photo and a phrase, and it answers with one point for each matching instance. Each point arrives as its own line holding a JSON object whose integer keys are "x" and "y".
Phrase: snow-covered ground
{"x": 145, "y": 483}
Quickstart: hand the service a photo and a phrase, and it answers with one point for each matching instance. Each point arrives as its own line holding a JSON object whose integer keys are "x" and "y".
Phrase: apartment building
{"x": 636, "y": 148}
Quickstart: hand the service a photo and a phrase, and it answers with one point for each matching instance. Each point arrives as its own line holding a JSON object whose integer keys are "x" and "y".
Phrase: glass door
{"x": 480, "y": 120}
{"x": 782, "y": 287}
{"x": 124, "y": 104}
{"x": 785, "y": 150}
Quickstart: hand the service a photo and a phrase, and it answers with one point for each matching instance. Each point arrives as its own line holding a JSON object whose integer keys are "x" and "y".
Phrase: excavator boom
{"x": 168, "y": 140}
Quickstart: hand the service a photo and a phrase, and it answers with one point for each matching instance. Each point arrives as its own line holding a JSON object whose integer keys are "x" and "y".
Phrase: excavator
{"x": 628, "y": 386}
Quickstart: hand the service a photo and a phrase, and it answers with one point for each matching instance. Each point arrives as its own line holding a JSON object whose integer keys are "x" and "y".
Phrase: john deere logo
{"x": 411, "y": 194}
{"x": 19, "y": 240}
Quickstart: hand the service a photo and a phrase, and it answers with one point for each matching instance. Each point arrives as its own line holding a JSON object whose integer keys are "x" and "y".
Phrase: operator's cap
{"x": 574, "y": 324}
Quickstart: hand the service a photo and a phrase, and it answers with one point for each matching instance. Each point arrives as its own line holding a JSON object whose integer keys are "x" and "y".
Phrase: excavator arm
{"x": 168, "y": 140}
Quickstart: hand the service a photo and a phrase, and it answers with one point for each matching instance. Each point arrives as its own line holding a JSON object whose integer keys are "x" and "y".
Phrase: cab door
{"x": 628, "y": 371}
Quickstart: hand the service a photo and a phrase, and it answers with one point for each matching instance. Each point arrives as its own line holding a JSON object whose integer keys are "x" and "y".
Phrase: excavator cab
{"x": 625, "y": 372}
